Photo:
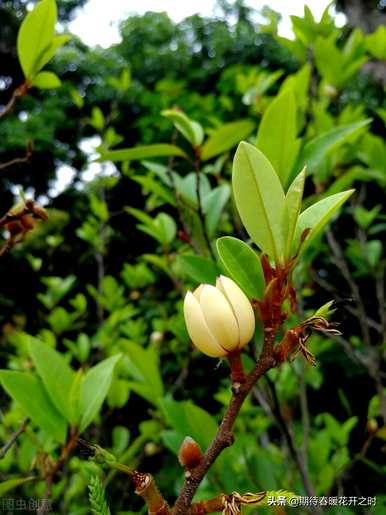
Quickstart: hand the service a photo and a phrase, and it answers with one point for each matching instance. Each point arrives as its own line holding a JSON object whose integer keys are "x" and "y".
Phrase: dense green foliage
{"x": 91, "y": 302}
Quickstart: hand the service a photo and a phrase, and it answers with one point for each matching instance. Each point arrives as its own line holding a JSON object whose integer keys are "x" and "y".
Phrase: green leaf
{"x": 198, "y": 268}
{"x": 276, "y": 136}
{"x": 10, "y": 484}
{"x": 28, "y": 391}
{"x": 293, "y": 200}
{"x": 143, "y": 152}
{"x": 376, "y": 43}
{"x": 144, "y": 368}
{"x": 226, "y": 137}
{"x": 49, "y": 53}
{"x": 167, "y": 228}
{"x": 213, "y": 206}
{"x": 56, "y": 375}
{"x": 243, "y": 265}
{"x": 317, "y": 216}
{"x": 46, "y": 80}
{"x": 315, "y": 151}
{"x": 260, "y": 200}
{"x": 190, "y": 129}
{"x": 35, "y": 36}
{"x": 187, "y": 419}
{"x": 94, "y": 389}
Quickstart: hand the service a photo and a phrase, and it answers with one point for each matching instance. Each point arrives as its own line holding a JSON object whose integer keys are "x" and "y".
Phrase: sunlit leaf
{"x": 28, "y": 391}
{"x": 142, "y": 152}
{"x": 260, "y": 200}
{"x": 226, "y": 137}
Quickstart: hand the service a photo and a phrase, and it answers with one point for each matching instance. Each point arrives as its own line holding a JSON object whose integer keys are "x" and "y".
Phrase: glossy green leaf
{"x": 94, "y": 389}
{"x": 316, "y": 150}
{"x": 317, "y": 216}
{"x": 276, "y": 137}
{"x": 260, "y": 200}
{"x": 56, "y": 375}
{"x": 10, "y": 484}
{"x": 190, "y": 129}
{"x": 198, "y": 268}
{"x": 243, "y": 265}
{"x": 226, "y": 137}
{"x": 29, "y": 392}
{"x": 293, "y": 200}
{"x": 46, "y": 80}
{"x": 35, "y": 35}
{"x": 142, "y": 152}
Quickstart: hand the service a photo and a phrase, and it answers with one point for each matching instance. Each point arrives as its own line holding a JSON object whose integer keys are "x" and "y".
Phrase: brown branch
{"x": 224, "y": 437}
{"x": 19, "y": 160}
{"x": 13, "y": 438}
{"x": 49, "y": 479}
{"x": 146, "y": 488}
{"x": 21, "y": 91}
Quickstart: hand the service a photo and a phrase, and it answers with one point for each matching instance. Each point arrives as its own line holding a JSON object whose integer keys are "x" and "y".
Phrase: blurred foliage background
{"x": 99, "y": 278}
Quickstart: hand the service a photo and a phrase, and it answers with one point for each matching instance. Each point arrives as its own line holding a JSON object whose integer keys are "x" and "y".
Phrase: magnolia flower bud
{"x": 189, "y": 454}
{"x": 219, "y": 318}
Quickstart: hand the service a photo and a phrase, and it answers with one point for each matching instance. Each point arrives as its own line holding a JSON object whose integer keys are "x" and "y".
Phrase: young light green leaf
{"x": 28, "y": 391}
{"x": 315, "y": 150}
{"x": 276, "y": 136}
{"x": 142, "y": 152}
{"x": 325, "y": 310}
{"x": 376, "y": 43}
{"x": 49, "y": 53}
{"x": 190, "y": 129}
{"x": 55, "y": 373}
{"x": 260, "y": 200}
{"x": 293, "y": 200}
{"x": 35, "y": 35}
{"x": 243, "y": 265}
{"x": 226, "y": 137}
{"x": 316, "y": 217}
{"x": 94, "y": 389}
{"x": 198, "y": 268}
{"x": 46, "y": 80}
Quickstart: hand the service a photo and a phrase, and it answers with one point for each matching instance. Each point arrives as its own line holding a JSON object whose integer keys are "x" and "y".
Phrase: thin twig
{"x": 13, "y": 438}
{"x": 19, "y": 160}
{"x": 343, "y": 266}
{"x": 21, "y": 91}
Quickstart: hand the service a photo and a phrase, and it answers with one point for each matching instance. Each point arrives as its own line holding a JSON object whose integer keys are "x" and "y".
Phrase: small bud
{"x": 91, "y": 451}
{"x": 372, "y": 426}
{"x": 189, "y": 454}
{"x": 156, "y": 337}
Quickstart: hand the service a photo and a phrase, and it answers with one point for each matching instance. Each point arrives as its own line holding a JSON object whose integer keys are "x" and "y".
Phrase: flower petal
{"x": 241, "y": 307}
{"x": 198, "y": 329}
{"x": 219, "y": 317}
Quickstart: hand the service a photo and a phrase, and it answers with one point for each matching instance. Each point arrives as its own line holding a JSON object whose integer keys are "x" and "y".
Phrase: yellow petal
{"x": 219, "y": 317}
{"x": 241, "y": 307}
{"x": 198, "y": 329}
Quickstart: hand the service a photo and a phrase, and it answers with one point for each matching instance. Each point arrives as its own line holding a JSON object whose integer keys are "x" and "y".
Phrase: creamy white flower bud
{"x": 219, "y": 318}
